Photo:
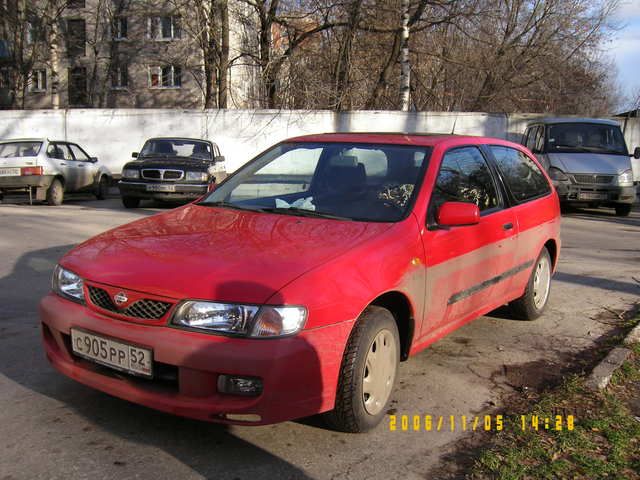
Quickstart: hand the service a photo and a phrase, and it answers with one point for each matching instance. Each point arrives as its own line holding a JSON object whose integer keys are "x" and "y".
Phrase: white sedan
{"x": 49, "y": 168}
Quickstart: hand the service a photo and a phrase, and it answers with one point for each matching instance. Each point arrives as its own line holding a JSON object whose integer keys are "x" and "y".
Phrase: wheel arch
{"x": 400, "y": 307}
{"x": 552, "y": 247}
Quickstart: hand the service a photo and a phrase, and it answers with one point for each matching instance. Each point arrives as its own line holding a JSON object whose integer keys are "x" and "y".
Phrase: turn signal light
{"x": 24, "y": 171}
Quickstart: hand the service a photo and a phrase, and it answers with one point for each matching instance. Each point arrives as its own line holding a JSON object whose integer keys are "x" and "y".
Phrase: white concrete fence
{"x": 112, "y": 135}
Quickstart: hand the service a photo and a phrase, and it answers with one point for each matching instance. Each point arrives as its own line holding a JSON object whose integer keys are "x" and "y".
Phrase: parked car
{"x": 298, "y": 285}
{"x": 171, "y": 169}
{"x": 587, "y": 160}
{"x": 50, "y": 168}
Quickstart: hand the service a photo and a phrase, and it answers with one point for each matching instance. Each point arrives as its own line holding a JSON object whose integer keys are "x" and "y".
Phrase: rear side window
{"x": 522, "y": 176}
{"x": 465, "y": 177}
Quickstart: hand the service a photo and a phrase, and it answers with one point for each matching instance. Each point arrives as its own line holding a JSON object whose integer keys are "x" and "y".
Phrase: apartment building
{"x": 126, "y": 54}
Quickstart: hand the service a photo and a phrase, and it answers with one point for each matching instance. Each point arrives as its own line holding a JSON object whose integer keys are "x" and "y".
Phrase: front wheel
{"x": 130, "y": 202}
{"x": 531, "y": 305}
{"x": 368, "y": 372}
{"x": 103, "y": 188}
{"x": 623, "y": 210}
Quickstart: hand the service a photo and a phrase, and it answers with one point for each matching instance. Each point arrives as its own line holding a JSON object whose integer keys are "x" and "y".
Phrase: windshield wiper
{"x": 228, "y": 205}
{"x": 302, "y": 212}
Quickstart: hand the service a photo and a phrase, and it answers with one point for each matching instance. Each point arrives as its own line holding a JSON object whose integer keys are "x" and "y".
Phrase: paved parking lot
{"x": 55, "y": 428}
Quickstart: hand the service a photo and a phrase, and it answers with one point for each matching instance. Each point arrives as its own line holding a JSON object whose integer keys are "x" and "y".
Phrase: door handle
{"x": 81, "y": 164}
{"x": 507, "y": 226}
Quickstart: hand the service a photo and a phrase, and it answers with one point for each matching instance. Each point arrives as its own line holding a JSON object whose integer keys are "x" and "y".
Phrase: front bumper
{"x": 601, "y": 194}
{"x": 182, "y": 191}
{"x": 25, "y": 181}
{"x": 299, "y": 373}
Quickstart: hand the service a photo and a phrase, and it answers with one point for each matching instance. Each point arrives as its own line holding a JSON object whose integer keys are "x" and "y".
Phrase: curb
{"x": 601, "y": 375}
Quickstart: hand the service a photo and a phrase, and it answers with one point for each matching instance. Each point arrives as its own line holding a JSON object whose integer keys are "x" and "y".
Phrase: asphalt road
{"x": 52, "y": 427}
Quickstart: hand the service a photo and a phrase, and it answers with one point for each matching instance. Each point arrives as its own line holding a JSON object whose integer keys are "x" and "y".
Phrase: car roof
{"x": 551, "y": 120}
{"x": 10, "y": 140}
{"x": 180, "y": 138}
{"x": 417, "y": 139}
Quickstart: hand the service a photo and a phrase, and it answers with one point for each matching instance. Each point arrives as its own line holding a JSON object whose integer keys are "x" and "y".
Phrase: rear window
{"x": 19, "y": 149}
{"x": 521, "y": 174}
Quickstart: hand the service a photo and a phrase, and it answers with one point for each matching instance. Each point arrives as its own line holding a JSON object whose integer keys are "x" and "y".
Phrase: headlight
{"x": 246, "y": 320}
{"x": 558, "y": 175}
{"x": 67, "y": 284}
{"x": 198, "y": 176}
{"x": 625, "y": 179}
{"x": 130, "y": 173}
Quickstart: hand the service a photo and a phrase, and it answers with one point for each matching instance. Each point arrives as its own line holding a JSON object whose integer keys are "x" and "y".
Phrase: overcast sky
{"x": 625, "y": 49}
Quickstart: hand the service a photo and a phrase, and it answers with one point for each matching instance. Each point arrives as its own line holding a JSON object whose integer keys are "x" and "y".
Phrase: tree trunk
{"x": 343, "y": 63}
{"x": 223, "y": 70}
{"x": 385, "y": 74}
{"x": 405, "y": 61}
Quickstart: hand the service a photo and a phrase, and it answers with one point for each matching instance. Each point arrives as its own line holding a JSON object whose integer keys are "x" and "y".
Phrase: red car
{"x": 298, "y": 285}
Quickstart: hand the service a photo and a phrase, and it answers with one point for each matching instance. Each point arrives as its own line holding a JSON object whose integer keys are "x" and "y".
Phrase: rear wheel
{"x": 130, "y": 202}
{"x": 368, "y": 372}
{"x": 103, "y": 188}
{"x": 531, "y": 305}
{"x": 623, "y": 210}
{"x": 55, "y": 193}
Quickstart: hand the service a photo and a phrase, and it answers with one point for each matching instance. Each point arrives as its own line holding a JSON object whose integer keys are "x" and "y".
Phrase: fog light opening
{"x": 244, "y": 386}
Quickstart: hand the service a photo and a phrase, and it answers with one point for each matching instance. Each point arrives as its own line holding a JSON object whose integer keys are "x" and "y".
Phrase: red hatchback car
{"x": 298, "y": 285}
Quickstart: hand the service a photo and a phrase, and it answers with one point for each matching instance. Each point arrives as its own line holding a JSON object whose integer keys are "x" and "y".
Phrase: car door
{"x": 86, "y": 169}
{"x": 466, "y": 265}
{"x": 60, "y": 155}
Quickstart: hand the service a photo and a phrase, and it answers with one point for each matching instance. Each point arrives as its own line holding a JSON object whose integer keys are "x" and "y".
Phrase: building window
{"x": 77, "y": 87}
{"x": 120, "y": 28}
{"x": 168, "y": 76}
{"x": 76, "y": 3}
{"x": 164, "y": 28}
{"x": 120, "y": 77}
{"x": 33, "y": 32}
{"x": 39, "y": 81}
{"x": 5, "y": 78}
{"x": 76, "y": 37}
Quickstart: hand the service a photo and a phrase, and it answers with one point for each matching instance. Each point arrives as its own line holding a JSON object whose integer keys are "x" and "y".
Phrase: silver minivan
{"x": 587, "y": 159}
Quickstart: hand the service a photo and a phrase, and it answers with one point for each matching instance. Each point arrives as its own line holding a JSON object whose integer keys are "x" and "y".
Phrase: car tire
{"x": 131, "y": 202}
{"x": 55, "y": 193}
{"x": 368, "y": 372}
{"x": 531, "y": 305}
{"x": 623, "y": 210}
{"x": 102, "y": 190}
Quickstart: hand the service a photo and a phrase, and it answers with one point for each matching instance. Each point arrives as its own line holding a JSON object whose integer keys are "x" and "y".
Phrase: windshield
{"x": 351, "y": 181}
{"x": 19, "y": 149}
{"x": 585, "y": 137}
{"x": 177, "y": 148}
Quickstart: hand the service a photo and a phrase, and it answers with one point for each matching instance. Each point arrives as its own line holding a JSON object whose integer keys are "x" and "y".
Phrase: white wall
{"x": 112, "y": 135}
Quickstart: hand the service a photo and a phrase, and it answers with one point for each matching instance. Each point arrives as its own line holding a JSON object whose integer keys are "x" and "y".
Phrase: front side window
{"x": 39, "y": 81}
{"x": 19, "y": 149}
{"x": 78, "y": 153}
{"x": 363, "y": 182}
{"x": 585, "y": 137}
{"x": 167, "y": 76}
{"x": 465, "y": 177}
{"x": 522, "y": 176}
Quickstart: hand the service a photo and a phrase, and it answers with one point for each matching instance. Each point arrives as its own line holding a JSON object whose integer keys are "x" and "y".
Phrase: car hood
{"x": 215, "y": 253}
{"x": 590, "y": 163}
{"x": 169, "y": 162}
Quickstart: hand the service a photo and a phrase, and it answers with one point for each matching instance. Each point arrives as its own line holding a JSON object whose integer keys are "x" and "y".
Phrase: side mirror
{"x": 134, "y": 154}
{"x": 93, "y": 159}
{"x": 453, "y": 214}
{"x": 219, "y": 158}
{"x": 636, "y": 153}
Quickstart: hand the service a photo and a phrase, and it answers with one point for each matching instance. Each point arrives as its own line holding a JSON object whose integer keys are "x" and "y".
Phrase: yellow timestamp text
{"x": 473, "y": 423}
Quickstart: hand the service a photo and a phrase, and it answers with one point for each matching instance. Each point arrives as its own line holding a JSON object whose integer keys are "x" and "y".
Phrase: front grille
{"x": 592, "y": 179}
{"x": 145, "y": 308}
{"x": 162, "y": 174}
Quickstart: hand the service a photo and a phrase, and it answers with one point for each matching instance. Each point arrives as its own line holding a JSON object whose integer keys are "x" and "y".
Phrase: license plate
{"x": 592, "y": 196}
{"x": 161, "y": 188}
{"x": 9, "y": 172}
{"x": 112, "y": 353}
